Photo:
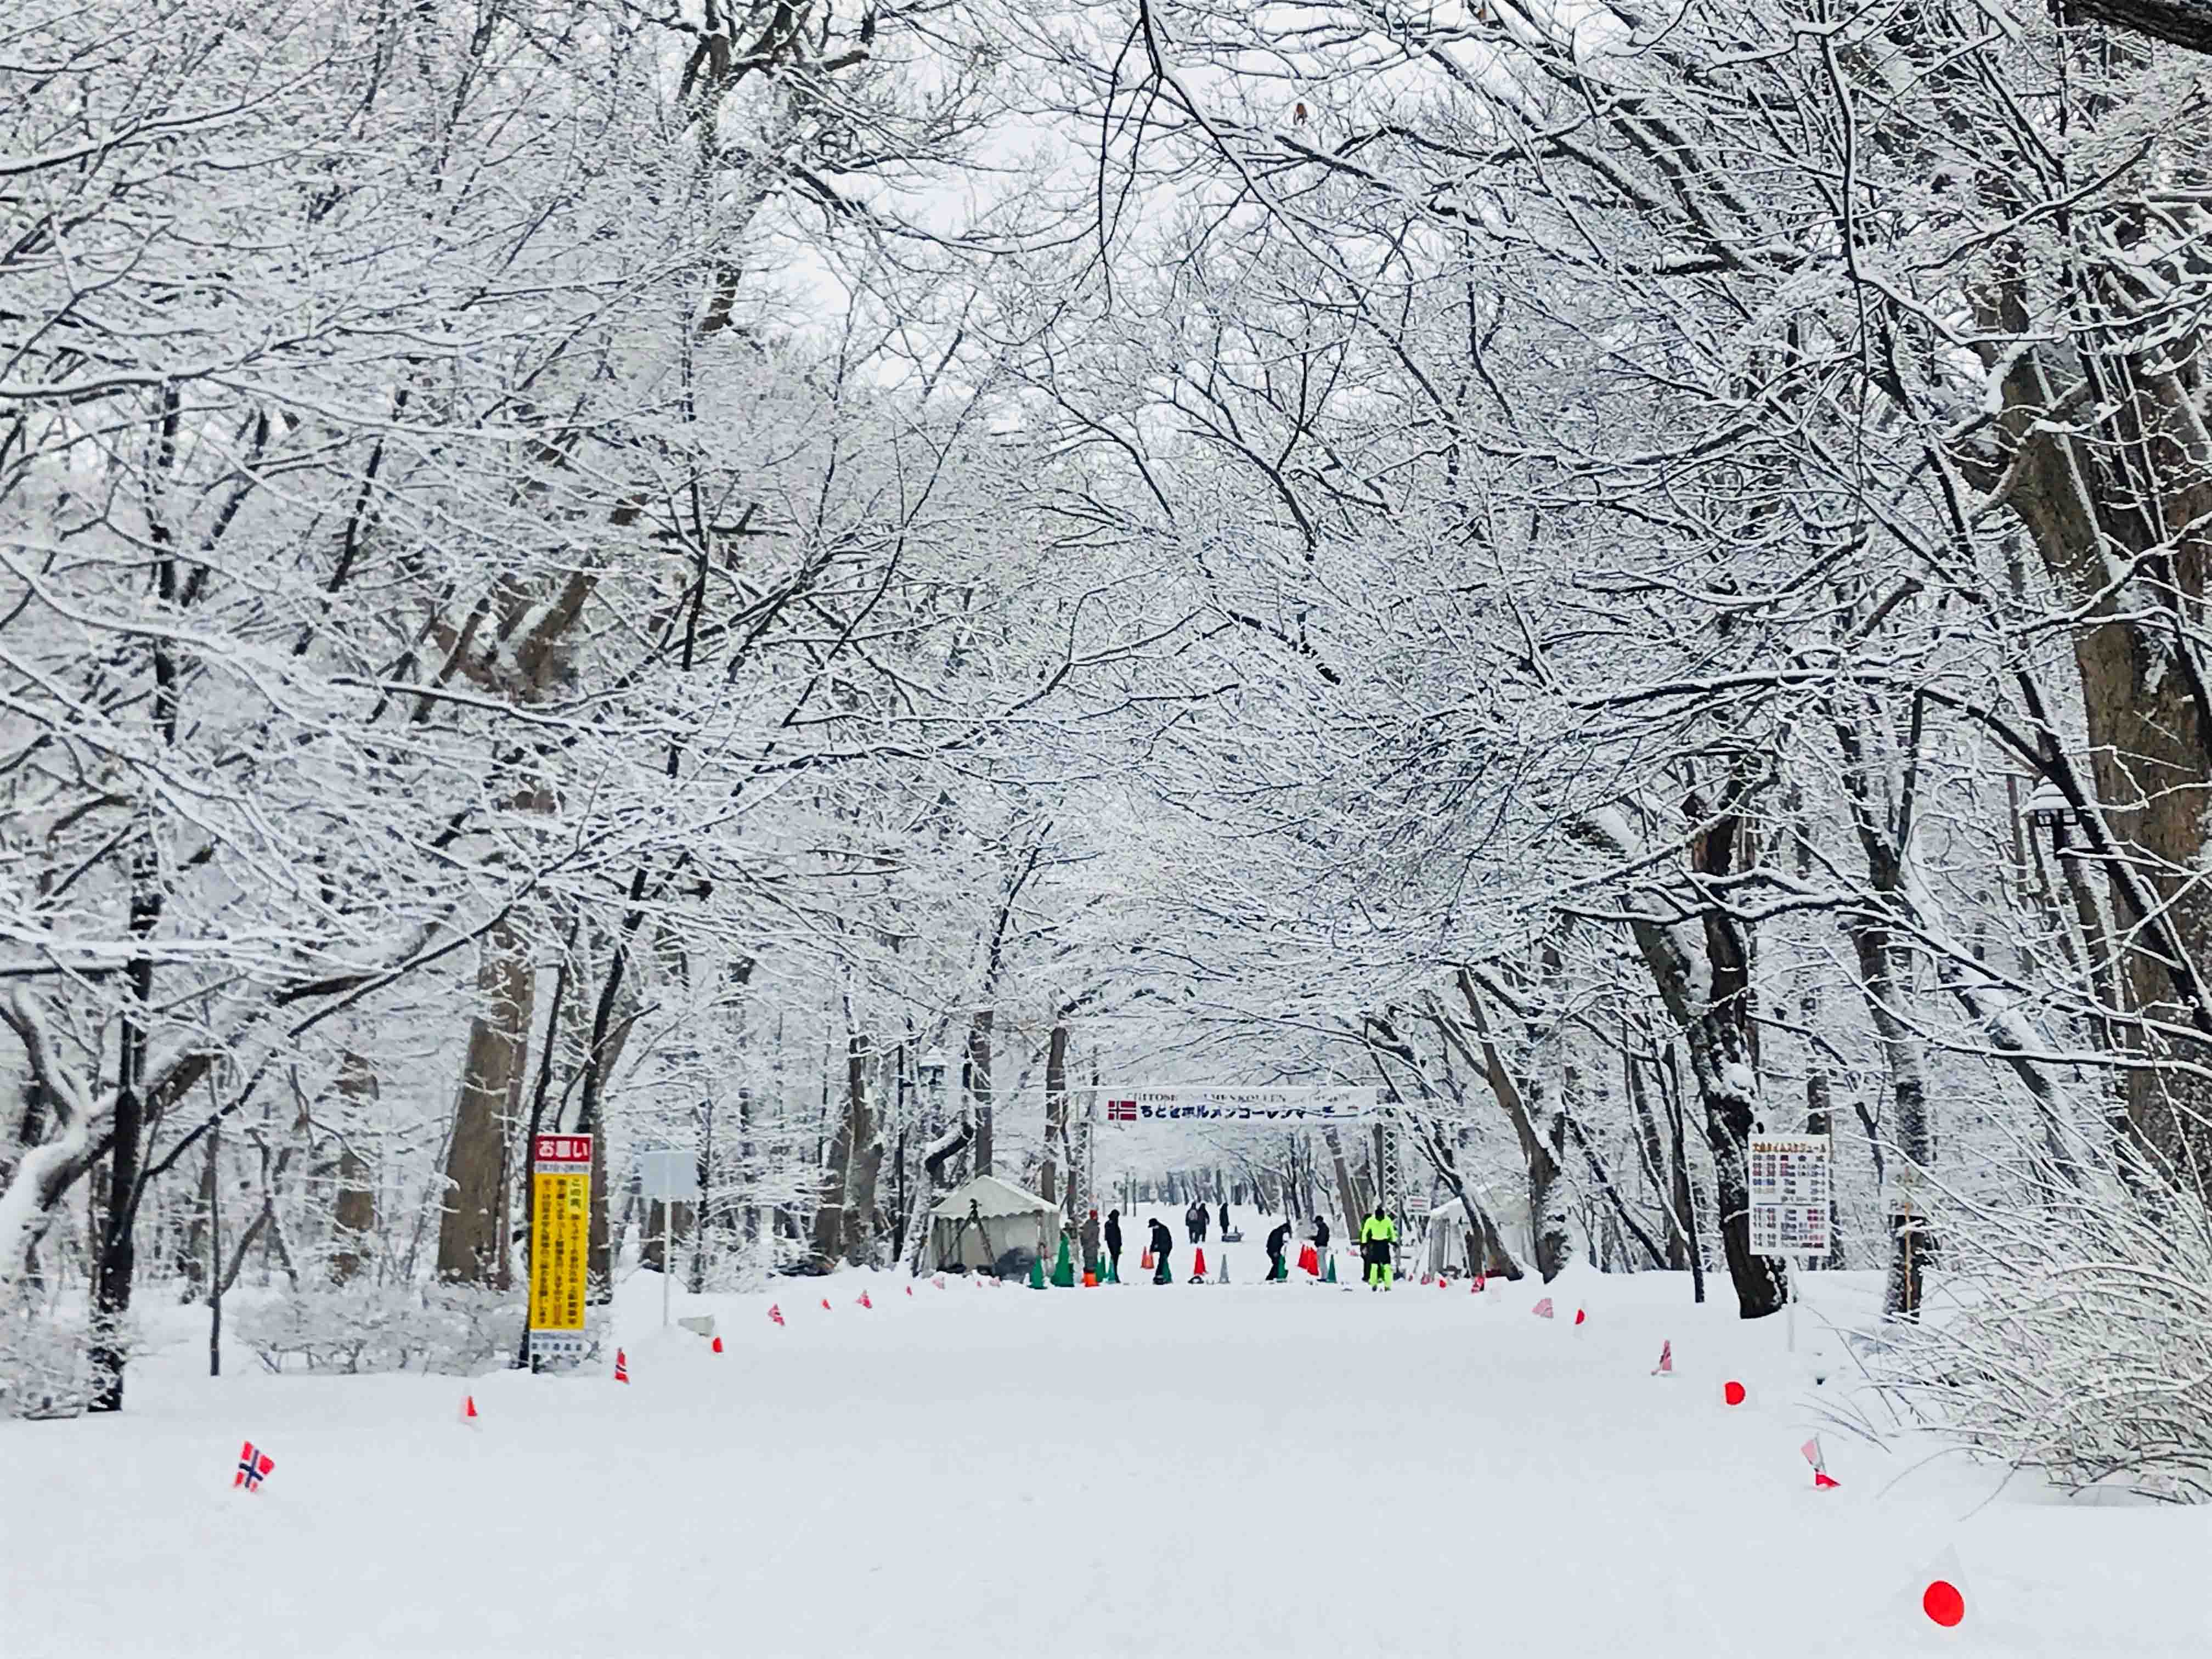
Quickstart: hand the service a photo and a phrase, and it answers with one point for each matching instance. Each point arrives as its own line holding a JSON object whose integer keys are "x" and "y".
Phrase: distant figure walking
{"x": 1195, "y": 1219}
{"x": 1376, "y": 1235}
{"x": 1222, "y": 1216}
{"x": 1163, "y": 1246}
{"x": 1113, "y": 1241}
{"x": 1089, "y": 1235}
{"x": 1278, "y": 1241}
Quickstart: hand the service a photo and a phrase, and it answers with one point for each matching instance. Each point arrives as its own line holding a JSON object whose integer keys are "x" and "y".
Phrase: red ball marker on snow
{"x": 1732, "y": 1392}
{"x": 1941, "y": 1601}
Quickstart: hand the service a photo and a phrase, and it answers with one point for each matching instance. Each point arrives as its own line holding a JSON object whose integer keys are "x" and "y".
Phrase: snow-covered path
{"x": 1204, "y": 1471}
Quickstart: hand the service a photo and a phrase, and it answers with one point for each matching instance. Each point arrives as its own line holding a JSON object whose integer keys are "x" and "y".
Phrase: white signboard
{"x": 1789, "y": 1196}
{"x": 668, "y": 1175}
{"x": 1285, "y": 1109}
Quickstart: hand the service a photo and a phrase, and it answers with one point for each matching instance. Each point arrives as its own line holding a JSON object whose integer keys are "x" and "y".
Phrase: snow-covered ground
{"x": 1208, "y": 1471}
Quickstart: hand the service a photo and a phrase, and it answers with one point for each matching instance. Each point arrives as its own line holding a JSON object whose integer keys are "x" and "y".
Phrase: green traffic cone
{"x": 1036, "y": 1272}
{"x": 1329, "y": 1278}
{"x": 1063, "y": 1271}
{"x": 1112, "y": 1276}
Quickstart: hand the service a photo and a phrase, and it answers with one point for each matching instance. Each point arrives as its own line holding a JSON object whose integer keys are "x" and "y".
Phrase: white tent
{"x": 979, "y": 1226}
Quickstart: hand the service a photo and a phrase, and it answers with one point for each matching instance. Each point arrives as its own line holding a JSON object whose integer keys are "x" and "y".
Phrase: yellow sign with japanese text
{"x": 560, "y": 1234}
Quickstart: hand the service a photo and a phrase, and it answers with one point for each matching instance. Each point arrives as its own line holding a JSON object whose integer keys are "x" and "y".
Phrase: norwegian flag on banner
{"x": 253, "y": 1466}
{"x": 1542, "y": 1309}
{"x": 1121, "y": 1111}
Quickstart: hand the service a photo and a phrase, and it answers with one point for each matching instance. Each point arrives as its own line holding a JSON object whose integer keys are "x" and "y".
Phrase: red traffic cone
{"x": 1579, "y": 1315}
{"x": 1198, "y": 1269}
{"x": 775, "y": 1313}
{"x": 621, "y": 1366}
{"x": 1443, "y": 1284}
{"x": 825, "y": 1305}
{"x": 1943, "y": 1599}
{"x": 1543, "y": 1308}
{"x": 1481, "y": 1285}
{"x": 1733, "y": 1393}
{"x": 864, "y": 1300}
{"x": 1666, "y": 1366}
{"x": 469, "y": 1409}
{"x": 718, "y": 1345}
{"x": 1145, "y": 1261}
{"x": 909, "y": 1290}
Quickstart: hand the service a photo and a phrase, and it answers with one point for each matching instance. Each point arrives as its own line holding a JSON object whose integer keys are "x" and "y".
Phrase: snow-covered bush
{"x": 46, "y": 1368}
{"x": 452, "y": 1328}
{"x": 2075, "y": 1341}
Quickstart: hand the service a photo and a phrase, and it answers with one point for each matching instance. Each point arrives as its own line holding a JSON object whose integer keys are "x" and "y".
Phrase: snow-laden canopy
{"x": 993, "y": 1199}
{"x": 991, "y": 1225}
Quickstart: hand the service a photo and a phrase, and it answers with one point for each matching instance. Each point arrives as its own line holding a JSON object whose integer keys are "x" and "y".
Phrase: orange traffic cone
{"x": 1089, "y": 1281}
{"x": 469, "y": 1409}
{"x": 1145, "y": 1261}
{"x": 621, "y": 1366}
{"x": 1198, "y": 1269}
{"x": 718, "y": 1345}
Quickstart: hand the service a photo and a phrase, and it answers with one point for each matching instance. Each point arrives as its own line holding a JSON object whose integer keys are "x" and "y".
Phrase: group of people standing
{"x": 1378, "y": 1239}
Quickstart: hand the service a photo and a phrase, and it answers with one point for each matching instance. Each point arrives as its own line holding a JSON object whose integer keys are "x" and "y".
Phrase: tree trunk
{"x": 867, "y": 1159}
{"x": 977, "y": 1081}
{"x": 354, "y": 1215}
{"x": 472, "y": 1242}
{"x": 1056, "y": 1139}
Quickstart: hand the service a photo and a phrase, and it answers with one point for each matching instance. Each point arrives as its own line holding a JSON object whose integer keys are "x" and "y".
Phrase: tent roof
{"x": 994, "y": 1197}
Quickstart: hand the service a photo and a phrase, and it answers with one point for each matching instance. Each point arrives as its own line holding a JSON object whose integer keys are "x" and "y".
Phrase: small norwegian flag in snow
{"x": 1542, "y": 1309}
{"x": 775, "y": 1313}
{"x": 253, "y": 1466}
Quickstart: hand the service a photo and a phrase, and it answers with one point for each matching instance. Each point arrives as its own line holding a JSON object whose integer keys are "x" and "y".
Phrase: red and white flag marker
{"x": 1822, "y": 1480}
{"x": 864, "y": 1302}
{"x": 621, "y": 1366}
{"x": 775, "y": 1313}
{"x": 1543, "y": 1308}
{"x": 1666, "y": 1366}
{"x": 253, "y": 1466}
{"x": 1580, "y": 1315}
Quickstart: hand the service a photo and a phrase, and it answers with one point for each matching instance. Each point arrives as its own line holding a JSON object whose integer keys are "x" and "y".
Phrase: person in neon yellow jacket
{"x": 1376, "y": 1235}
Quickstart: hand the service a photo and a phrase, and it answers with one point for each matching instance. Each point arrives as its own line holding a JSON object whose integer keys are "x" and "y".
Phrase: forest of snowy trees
{"x": 807, "y": 580}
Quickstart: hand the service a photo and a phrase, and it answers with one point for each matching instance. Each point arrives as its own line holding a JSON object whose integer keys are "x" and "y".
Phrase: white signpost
{"x": 673, "y": 1178}
{"x": 1790, "y": 1193}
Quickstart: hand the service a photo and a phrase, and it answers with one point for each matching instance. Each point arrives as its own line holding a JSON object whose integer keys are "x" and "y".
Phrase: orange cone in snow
{"x": 1089, "y": 1281}
{"x": 1145, "y": 1261}
{"x": 621, "y": 1366}
{"x": 1198, "y": 1269}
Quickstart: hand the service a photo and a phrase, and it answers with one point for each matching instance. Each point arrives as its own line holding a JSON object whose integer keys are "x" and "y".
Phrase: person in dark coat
{"x": 1222, "y": 1216}
{"x": 1278, "y": 1241}
{"x": 1320, "y": 1233}
{"x": 1204, "y": 1218}
{"x": 1113, "y": 1240}
{"x": 1162, "y": 1246}
{"x": 1089, "y": 1235}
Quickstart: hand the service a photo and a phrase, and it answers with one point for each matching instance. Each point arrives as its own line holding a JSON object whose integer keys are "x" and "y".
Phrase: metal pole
{"x": 667, "y": 1254}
